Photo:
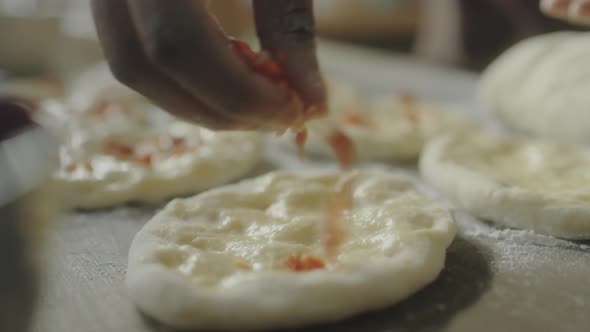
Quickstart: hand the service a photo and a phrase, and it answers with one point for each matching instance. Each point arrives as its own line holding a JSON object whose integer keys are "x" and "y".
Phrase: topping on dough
{"x": 386, "y": 129}
{"x": 255, "y": 251}
{"x": 302, "y": 263}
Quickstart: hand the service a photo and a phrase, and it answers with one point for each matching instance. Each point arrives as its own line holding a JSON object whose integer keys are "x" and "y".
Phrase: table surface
{"x": 494, "y": 280}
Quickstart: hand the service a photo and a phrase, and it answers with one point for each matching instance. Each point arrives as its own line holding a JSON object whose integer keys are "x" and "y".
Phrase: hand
{"x": 573, "y": 11}
{"x": 175, "y": 54}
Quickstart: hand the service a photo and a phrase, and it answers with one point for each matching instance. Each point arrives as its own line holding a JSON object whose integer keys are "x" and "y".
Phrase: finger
{"x": 183, "y": 40}
{"x": 130, "y": 65}
{"x": 286, "y": 29}
{"x": 579, "y": 12}
{"x": 556, "y": 8}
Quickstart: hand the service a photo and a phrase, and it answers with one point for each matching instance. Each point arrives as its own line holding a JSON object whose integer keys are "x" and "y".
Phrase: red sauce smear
{"x": 302, "y": 263}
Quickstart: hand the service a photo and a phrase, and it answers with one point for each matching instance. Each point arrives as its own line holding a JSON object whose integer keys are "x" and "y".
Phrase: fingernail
{"x": 556, "y": 7}
{"x": 583, "y": 8}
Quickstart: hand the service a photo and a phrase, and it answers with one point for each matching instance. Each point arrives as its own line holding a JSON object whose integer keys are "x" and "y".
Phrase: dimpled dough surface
{"x": 520, "y": 183}
{"x": 98, "y": 179}
{"x": 217, "y": 260}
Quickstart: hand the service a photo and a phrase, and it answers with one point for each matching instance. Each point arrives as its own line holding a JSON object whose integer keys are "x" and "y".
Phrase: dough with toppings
{"x": 107, "y": 168}
{"x": 119, "y": 149}
{"x": 393, "y": 128}
{"x": 518, "y": 183}
{"x": 251, "y": 255}
{"x": 540, "y": 87}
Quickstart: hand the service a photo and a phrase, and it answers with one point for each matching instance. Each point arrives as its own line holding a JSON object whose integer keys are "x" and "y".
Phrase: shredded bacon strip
{"x": 409, "y": 103}
{"x": 118, "y": 149}
{"x": 71, "y": 167}
{"x": 302, "y": 263}
{"x": 344, "y": 149}
{"x": 242, "y": 265}
{"x": 340, "y": 201}
{"x": 145, "y": 160}
{"x": 259, "y": 62}
{"x": 102, "y": 108}
{"x": 300, "y": 140}
{"x": 75, "y": 165}
{"x": 354, "y": 118}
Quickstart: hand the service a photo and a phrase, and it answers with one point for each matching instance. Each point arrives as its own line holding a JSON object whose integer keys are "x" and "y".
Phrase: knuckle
{"x": 298, "y": 24}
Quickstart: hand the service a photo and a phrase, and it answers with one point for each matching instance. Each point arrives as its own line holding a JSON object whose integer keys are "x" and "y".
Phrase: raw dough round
{"x": 119, "y": 149}
{"x": 541, "y": 87}
{"x": 107, "y": 168}
{"x": 525, "y": 184}
{"x": 387, "y": 129}
{"x": 217, "y": 261}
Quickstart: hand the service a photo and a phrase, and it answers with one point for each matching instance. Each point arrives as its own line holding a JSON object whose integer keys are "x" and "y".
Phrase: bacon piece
{"x": 242, "y": 265}
{"x": 88, "y": 166}
{"x": 340, "y": 201}
{"x": 354, "y": 118}
{"x": 118, "y": 149}
{"x": 406, "y": 98}
{"x": 75, "y": 165}
{"x": 103, "y": 107}
{"x": 408, "y": 101}
{"x": 261, "y": 62}
{"x": 71, "y": 167}
{"x": 344, "y": 149}
{"x": 179, "y": 146}
{"x": 302, "y": 263}
{"x": 145, "y": 160}
{"x": 300, "y": 140}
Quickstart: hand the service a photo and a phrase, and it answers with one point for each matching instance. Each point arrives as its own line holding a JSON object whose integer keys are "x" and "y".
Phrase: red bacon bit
{"x": 71, "y": 167}
{"x": 88, "y": 166}
{"x": 145, "y": 160}
{"x": 177, "y": 141}
{"x": 354, "y": 118}
{"x": 102, "y": 108}
{"x": 408, "y": 101}
{"x": 118, "y": 149}
{"x": 179, "y": 146}
{"x": 74, "y": 166}
{"x": 412, "y": 116}
{"x": 344, "y": 148}
{"x": 300, "y": 140}
{"x": 340, "y": 201}
{"x": 406, "y": 98}
{"x": 261, "y": 62}
{"x": 243, "y": 265}
{"x": 302, "y": 263}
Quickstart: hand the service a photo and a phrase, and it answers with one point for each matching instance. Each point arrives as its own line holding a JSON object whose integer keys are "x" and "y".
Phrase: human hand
{"x": 175, "y": 54}
{"x": 573, "y": 11}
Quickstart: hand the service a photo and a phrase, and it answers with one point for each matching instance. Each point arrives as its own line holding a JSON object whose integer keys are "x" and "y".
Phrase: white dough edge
{"x": 489, "y": 200}
{"x": 205, "y": 174}
{"x": 283, "y": 299}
